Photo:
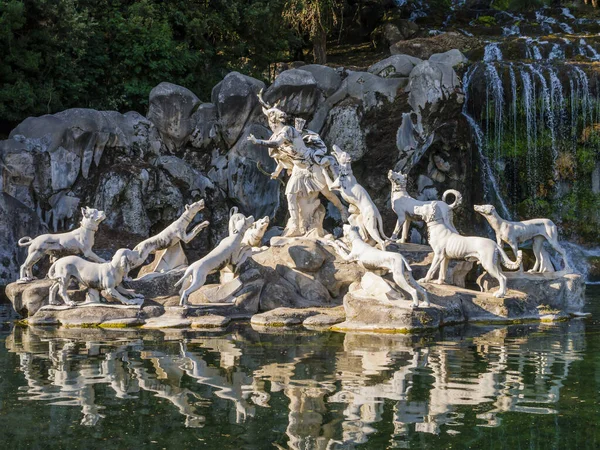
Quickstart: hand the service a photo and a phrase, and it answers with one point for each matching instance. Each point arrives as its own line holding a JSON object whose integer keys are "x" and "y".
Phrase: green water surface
{"x": 511, "y": 387}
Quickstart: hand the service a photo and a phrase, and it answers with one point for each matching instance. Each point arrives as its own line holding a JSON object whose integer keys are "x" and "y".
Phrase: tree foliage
{"x": 108, "y": 54}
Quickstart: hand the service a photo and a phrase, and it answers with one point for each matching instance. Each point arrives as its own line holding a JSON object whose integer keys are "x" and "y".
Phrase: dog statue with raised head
{"x": 78, "y": 241}
{"x": 226, "y": 253}
{"x": 174, "y": 233}
{"x": 98, "y": 278}
{"x": 515, "y": 233}
{"x": 447, "y": 244}
{"x": 363, "y": 213}
{"x": 404, "y": 205}
{"x": 372, "y": 258}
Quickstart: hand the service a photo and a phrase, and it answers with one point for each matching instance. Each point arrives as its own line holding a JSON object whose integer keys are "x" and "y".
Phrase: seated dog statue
{"x": 374, "y": 259}
{"x": 226, "y": 253}
{"x": 515, "y": 233}
{"x": 447, "y": 244}
{"x": 78, "y": 241}
{"x": 98, "y": 278}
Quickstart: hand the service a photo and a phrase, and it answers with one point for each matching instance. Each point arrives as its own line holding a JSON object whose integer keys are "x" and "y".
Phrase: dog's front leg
{"x": 397, "y": 229}
{"x": 405, "y": 229}
{"x": 116, "y": 295}
{"x": 187, "y": 237}
{"x": 128, "y": 292}
{"x": 437, "y": 260}
{"x": 443, "y": 270}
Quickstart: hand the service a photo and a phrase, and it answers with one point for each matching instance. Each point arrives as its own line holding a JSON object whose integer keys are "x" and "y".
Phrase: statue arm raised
{"x": 271, "y": 143}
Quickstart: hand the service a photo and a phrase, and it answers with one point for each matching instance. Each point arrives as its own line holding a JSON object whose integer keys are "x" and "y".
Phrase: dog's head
{"x": 194, "y": 208}
{"x": 343, "y": 158}
{"x": 429, "y": 212}
{"x": 261, "y": 225}
{"x": 236, "y": 220}
{"x": 397, "y": 178}
{"x": 125, "y": 260}
{"x": 351, "y": 233}
{"x": 485, "y": 210}
{"x": 92, "y": 216}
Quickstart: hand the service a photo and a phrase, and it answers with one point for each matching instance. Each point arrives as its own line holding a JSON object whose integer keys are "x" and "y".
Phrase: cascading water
{"x": 528, "y": 120}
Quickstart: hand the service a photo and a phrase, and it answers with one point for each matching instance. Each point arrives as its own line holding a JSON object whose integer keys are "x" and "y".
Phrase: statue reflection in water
{"x": 335, "y": 389}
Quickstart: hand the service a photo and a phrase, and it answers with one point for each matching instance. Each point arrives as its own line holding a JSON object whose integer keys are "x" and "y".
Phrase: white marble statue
{"x": 374, "y": 259}
{"x": 173, "y": 235}
{"x": 404, "y": 205}
{"x": 447, "y": 244}
{"x": 303, "y": 155}
{"x": 98, "y": 278}
{"x": 515, "y": 233}
{"x": 226, "y": 253}
{"x": 78, "y": 241}
{"x": 363, "y": 213}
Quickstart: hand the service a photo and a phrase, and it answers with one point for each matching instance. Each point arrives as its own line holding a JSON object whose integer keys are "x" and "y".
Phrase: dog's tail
{"x": 457, "y": 198}
{"x": 405, "y": 262}
{"x": 380, "y": 228}
{"x": 25, "y": 241}
{"x": 506, "y": 262}
{"x": 50, "y": 274}
{"x": 183, "y": 278}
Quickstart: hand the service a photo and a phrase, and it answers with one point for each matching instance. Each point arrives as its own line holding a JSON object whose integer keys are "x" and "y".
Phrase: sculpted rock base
{"x": 300, "y": 281}
{"x": 538, "y": 298}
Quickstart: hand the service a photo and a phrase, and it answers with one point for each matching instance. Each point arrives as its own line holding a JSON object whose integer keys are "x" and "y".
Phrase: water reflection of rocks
{"x": 335, "y": 388}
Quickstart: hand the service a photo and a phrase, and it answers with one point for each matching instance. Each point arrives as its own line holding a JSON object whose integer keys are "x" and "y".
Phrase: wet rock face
{"x": 424, "y": 48}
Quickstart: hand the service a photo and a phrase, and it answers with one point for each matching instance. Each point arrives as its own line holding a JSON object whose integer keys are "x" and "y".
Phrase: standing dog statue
{"x": 363, "y": 213}
{"x": 404, "y": 205}
{"x": 515, "y": 233}
{"x": 447, "y": 244}
{"x": 174, "y": 233}
{"x": 78, "y": 241}
{"x": 99, "y": 278}
{"x": 226, "y": 253}
{"x": 374, "y": 259}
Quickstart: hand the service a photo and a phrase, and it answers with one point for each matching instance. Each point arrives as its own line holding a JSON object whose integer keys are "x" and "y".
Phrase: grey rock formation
{"x": 430, "y": 83}
{"x": 249, "y": 187}
{"x": 344, "y": 129}
{"x": 235, "y": 99}
{"x": 328, "y": 79}
{"x": 298, "y": 91}
{"x": 171, "y": 109}
{"x": 452, "y": 58}
{"x": 395, "y": 66}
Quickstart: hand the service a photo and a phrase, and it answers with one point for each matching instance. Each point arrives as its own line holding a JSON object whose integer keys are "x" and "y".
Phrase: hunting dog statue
{"x": 447, "y": 244}
{"x": 515, "y": 233}
{"x": 374, "y": 259}
{"x": 363, "y": 213}
{"x": 226, "y": 253}
{"x": 78, "y": 241}
{"x": 98, "y": 278}
{"x": 404, "y": 205}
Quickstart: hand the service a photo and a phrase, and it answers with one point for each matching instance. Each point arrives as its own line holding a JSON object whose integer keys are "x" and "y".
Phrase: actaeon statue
{"x": 303, "y": 155}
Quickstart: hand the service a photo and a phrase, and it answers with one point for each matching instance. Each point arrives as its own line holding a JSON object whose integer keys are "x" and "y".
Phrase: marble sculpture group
{"x": 312, "y": 171}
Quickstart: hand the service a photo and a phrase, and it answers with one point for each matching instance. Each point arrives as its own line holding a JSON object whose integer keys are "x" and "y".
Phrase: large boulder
{"x": 171, "y": 108}
{"x": 344, "y": 128}
{"x": 235, "y": 98}
{"x": 452, "y": 58}
{"x": 328, "y": 79}
{"x": 298, "y": 91}
{"x": 206, "y": 129}
{"x": 372, "y": 90}
{"x": 430, "y": 83}
{"x": 397, "y": 66}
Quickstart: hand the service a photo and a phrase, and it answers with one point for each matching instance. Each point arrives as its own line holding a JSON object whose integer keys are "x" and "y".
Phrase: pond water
{"x": 515, "y": 387}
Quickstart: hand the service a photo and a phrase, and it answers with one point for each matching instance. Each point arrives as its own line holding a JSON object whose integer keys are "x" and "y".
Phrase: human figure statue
{"x": 303, "y": 155}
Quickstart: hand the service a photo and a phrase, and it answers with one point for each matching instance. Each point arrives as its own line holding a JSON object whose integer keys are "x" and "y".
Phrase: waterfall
{"x": 488, "y": 176}
{"x": 492, "y": 53}
{"x": 524, "y": 116}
